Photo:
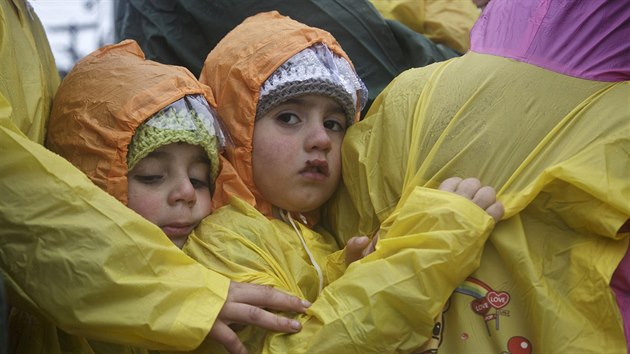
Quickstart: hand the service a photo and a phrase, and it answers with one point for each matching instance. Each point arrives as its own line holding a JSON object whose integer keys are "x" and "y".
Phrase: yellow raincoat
{"x": 386, "y": 302}
{"x": 443, "y": 21}
{"x": 557, "y": 148}
{"x": 73, "y": 256}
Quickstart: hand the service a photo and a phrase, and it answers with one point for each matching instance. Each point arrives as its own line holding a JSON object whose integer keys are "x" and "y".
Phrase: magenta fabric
{"x": 588, "y": 39}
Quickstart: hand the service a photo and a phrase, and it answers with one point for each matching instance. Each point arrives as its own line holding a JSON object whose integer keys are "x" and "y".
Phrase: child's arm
{"x": 388, "y": 301}
{"x": 400, "y": 287}
{"x": 471, "y": 188}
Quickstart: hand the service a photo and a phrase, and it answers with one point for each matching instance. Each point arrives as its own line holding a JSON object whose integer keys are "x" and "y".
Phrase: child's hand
{"x": 359, "y": 247}
{"x": 484, "y": 197}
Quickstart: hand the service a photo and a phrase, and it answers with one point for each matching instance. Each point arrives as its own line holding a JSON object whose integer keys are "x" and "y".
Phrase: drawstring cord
{"x": 310, "y": 255}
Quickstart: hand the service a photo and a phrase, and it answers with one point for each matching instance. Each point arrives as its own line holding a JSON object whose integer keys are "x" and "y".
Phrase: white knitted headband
{"x": 314, "y": 70}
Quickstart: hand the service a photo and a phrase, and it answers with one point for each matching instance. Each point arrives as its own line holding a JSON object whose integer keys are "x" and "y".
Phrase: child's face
{"x": 296, "y": 154}
{"x": 171, "y": 188}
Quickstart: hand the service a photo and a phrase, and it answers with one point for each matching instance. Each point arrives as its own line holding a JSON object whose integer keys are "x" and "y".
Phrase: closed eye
{"x": 148, "y": 179}
{"x": 199, "y": 184}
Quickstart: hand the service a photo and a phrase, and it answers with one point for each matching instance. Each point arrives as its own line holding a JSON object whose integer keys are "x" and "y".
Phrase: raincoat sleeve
{"x": 387, "y": 302}
{"x": 76, "y": 256}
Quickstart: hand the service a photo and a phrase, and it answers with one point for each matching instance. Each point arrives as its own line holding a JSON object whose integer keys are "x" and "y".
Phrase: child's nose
{"x": 183, "y": 191}
{"x": 318, "y": 139}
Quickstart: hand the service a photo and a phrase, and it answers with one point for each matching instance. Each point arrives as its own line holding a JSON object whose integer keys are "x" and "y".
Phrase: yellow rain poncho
{"x": 386, "y": 302}
{"x": 74, "y": 258}
{"x": 557, "y": 149}
{"x": 29, "y": 77}
{"x": 442, "y": 21}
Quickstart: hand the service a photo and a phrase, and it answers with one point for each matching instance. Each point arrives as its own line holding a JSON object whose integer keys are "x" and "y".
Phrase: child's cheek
{"x": 146, "y": 204}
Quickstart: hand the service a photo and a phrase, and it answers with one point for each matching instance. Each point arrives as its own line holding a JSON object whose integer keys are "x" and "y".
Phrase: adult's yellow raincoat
{"x": 442, "y": 21}
{"x": 69, "y": 252}
{"x": 386, "y": 302}
{"x": 556, "y": 147}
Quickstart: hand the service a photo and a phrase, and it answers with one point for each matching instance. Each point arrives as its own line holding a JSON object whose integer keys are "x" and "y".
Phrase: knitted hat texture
{"x": 314, "y": 70}
{"x": 188, "y": 120}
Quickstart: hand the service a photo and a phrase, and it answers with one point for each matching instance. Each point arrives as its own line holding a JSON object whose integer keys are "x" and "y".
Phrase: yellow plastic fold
{"x": 76, "y": 262}
{"x": 67, "y": 256}
{"x": 385, "y": 303}
{"x": 556, "y": 148}
{"x": 446, "y": 22}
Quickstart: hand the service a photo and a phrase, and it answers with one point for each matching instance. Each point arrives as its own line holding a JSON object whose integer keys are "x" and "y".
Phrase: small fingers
{"x": 485, "y": 197}
{"x": 496, "y": 210}
{"x": 265, "y": 296}
{"x": 223, "y": 334}
{"x": 251, "y": 315}
{"x": 465, "y": 187}
{"x": 355, "y": 248}
{"x": 372, "y": 246}
{"x": 358, "y": 242}
{"x": 450, "y": 184}
{"x": 468, "y": 187}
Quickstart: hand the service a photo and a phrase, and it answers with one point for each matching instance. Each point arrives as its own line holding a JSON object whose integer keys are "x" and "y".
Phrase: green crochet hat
{"x": 188, "y": 120}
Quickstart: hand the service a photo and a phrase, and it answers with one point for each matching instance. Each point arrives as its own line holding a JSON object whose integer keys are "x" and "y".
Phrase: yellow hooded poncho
{"x": 102, "y": 266}
{"x": 384, "y": 303}
{"x": 557, "y": 149}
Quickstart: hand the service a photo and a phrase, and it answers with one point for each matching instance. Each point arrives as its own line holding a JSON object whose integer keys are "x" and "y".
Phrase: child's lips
{"x": 317, "y": 169}
{"x": 178, "y": 229}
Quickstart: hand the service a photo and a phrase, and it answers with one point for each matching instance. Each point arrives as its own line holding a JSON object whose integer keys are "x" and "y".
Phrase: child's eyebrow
{"x": 156, "y": 154}
{"x": 200, "y": 156}
{"x": 294, "y": 100}
{"x": 203, "y": 158}
{"x": 336, "y": 107}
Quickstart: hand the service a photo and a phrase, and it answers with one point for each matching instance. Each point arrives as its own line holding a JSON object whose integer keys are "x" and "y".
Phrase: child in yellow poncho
{"x": 287, "y": 93}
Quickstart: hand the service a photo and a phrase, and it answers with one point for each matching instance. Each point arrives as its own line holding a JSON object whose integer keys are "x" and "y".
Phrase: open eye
{"x": 335, "y": 125}
{"x": 288, "y": 118}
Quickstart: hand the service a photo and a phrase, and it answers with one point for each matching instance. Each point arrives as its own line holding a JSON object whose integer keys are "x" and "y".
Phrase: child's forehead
{"x": 178, "y": 147}
{"x": 179, "y": 150}
{"x": 311, "y": 101}
{"x": 314, "y": 70}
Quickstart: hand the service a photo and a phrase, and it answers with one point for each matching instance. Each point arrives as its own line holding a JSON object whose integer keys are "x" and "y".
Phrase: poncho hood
{"x": 235, "y": 70}
{"x": 101, "y": 103}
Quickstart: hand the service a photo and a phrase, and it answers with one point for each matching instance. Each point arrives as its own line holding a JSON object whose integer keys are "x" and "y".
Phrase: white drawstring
{"x": 310, "y": 255}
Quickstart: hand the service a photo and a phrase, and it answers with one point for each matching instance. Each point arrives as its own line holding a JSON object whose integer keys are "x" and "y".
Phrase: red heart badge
{"x": 480, "y": 306}
{"x": 498, "y": 299}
